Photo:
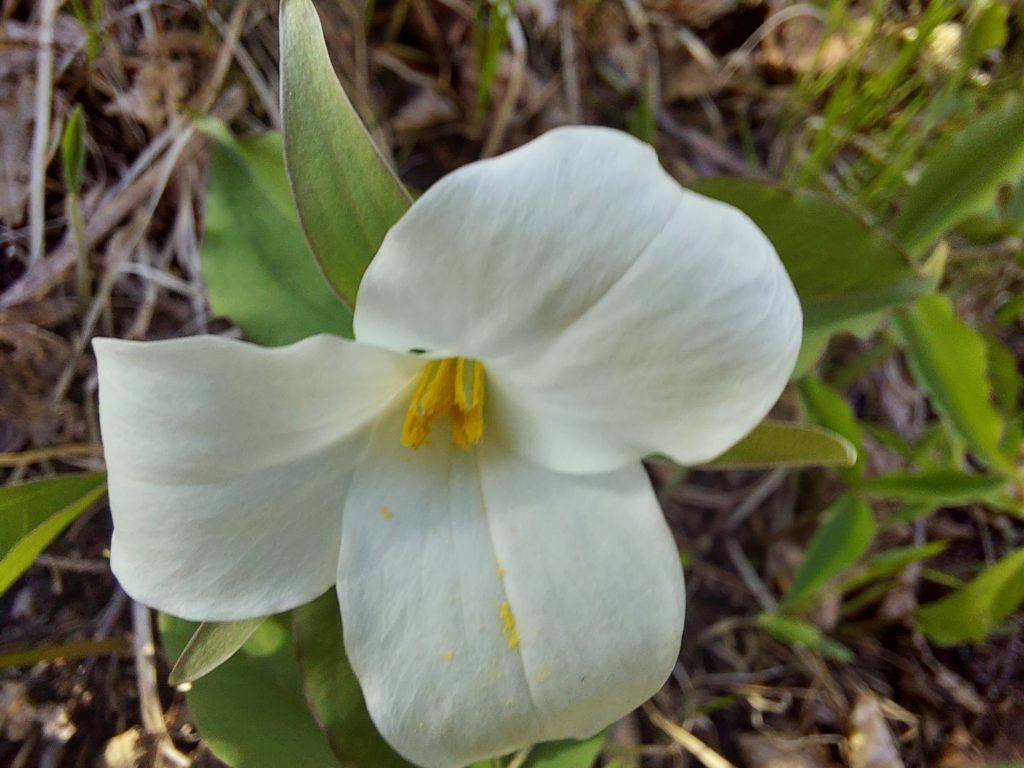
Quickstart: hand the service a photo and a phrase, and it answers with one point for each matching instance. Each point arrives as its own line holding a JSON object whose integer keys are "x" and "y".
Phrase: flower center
{"x": 454, "y": 387}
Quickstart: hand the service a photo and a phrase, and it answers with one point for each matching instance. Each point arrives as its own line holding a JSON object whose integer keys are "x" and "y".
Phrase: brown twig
{"x": 44, "y": 275}
{"x": 150, "y": 709}
{"x": 41, "y": 129}
{"x": 686, "y": 740}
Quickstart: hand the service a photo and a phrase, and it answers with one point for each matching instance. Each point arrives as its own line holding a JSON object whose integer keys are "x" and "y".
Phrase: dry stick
{"x": 261, "y": 47}
{"x": 266, "y": 94}
{"x": 759, "y": 34}
{"x": 129, "y": 192}
{"x": 162, "y": 278}
{"x": 764, "y": 488}
{"x": 28, "y": 747}
{"x": 41, "y": 129}
{"x": 151, "y": 290}
{"x": 749, "y": 576}
{"x": 144, "y": 649}
{"x": 353, "y": 73}
{"x": 400, "y": 69}
{"x": 110, "y": 278}
{"x": 515, "y": 84}
{"x": 464, "y": 10}
{"x": 686, "y": 740}
{"x": 714, "y": 116}
{"x": 770, "y": 604}
{"x": 149, "y": 695}
{"x": 697, "y": 141}
{"x": 695, "y": 47}
{"x": 52, "y": 752}
{"x": 155, "y": 278}
{"x": 425, "y": 16}
{"x": 671, "y": 485}
{"x": 142, "y": 162}
{"x": 570, "y": 77}
{"x": 223, "y": 62}
{"x": 358, "y": 85}
{"x": 42, "y": 277}
{"x": 519, "y": 758}
{"x": 73, "y": 564}
{"x": 203, "y": 102}
{"x": 704, "y": 144}
{"x": 106, "y": 620}
{"x": 361, "y": 58}
{"x": 186, "y": 242}
{"x": 45, "y": 454}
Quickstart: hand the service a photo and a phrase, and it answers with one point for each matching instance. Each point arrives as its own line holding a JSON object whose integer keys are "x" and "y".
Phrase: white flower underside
{"x": 524, "y": 587}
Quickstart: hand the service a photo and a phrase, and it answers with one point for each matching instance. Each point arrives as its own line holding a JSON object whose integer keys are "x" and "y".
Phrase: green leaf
{"x": 975, "y": 609}
{"x": 797, "y": 632}
{"x": 941, "y": 486}
{"x": 566, "y": 754}
{"x": 914, "y": 510}
{"x": 828, "y": 407}
{"x": 256, "y": 264}
{"x": 331, "y": 688}
{"x": 1013, "y": 211}
{"x": 889, "y": 562}
{"x": 336, "y": 701}
{"x": 72, "y": 150}
{"x": 816, "y": 340}
{"x": 1013, "y": 310}
{"x": 212, "y": 644}
{"x": 893, "y": 559}
{"x": 838, "y": 543}
{"x": 490, "y": 33}
{"x": 643, "y": 122}
{"x": 962, "y": 176}
{"x": 1003, "y": 373}
{"x": 949, "y": 360}
{"x": 33, "y": 514}
{"x": 91, "y": 21}
{"x": 74, "y": 649}
{"x": 779, "y": 444}
{"x": 250, "y": 710}
{"x": 987, "y": 29}
{"x": 347, "y": 195}
{"x": 844, "y": 271}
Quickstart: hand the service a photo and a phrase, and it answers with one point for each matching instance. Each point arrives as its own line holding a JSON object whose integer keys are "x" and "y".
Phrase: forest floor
{"x": 720, "y": 87}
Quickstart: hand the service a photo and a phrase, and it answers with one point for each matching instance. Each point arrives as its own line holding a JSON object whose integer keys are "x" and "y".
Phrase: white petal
{"x": 228, "y": 466}
{"x": 617, "y": 314}
{"x": 436, "y": 541}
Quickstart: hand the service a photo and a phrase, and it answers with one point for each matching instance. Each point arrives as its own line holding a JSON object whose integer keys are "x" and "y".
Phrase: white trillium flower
{"x": 504, "y": 572}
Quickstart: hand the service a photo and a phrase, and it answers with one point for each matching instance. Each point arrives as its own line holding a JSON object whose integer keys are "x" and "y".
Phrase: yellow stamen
{"x": 453, "y": 386}
{"x": 508, "y": 621}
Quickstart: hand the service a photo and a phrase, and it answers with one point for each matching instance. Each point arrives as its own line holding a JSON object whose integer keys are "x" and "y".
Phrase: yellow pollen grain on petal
{"x": 447, "y": 656}
{"x": 508, "y": 621}
{"x": 453, "y": 387}
{"x": 386, "y": 513}
{"x": 501, "y": 572}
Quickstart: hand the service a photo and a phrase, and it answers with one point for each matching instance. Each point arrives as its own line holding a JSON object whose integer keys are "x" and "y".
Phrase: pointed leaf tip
{"x": 211, "y": 645}
{"x": 347, "y": 195}
{"x": 779, "y": 444}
